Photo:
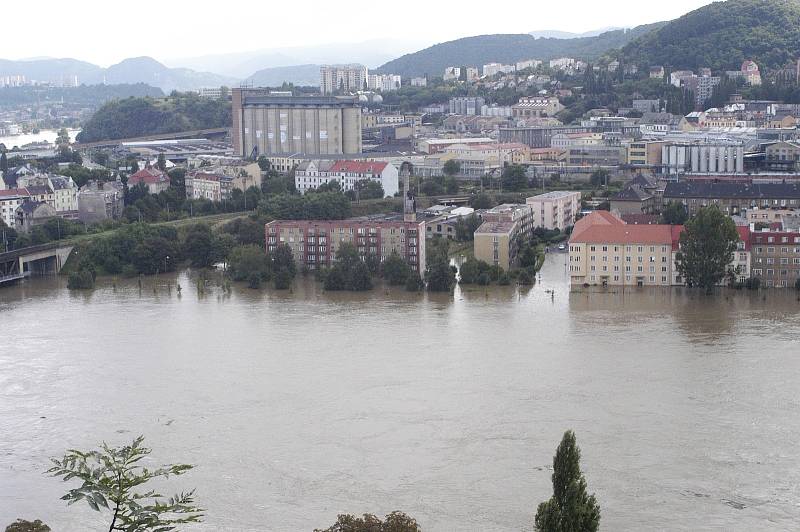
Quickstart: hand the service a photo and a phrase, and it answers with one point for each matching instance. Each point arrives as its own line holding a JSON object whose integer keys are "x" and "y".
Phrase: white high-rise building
{"x": 342, "y": 78}
{"x": 384, "y": 82}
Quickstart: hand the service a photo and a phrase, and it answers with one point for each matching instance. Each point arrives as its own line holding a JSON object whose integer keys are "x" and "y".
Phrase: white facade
{"x": 312, "y": 174}
{"x": 492, "y": 69}
{"x": 384, "y": 82}
{"x": 419, "y": 82}
{"x": 530, "y": 63}
{"x": 345, "y": 78}
{"x": 555, "y": 210}
{"x": 451, "y": 73}
{"x": 9, "y": 201}
{"x": 495, "y": 110}
{"x": 562, "y": 63}
{"x": 703, "y": 158}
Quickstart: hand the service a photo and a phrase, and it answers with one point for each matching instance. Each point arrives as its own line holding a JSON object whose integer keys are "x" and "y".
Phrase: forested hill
{"x": 722, "y": 35}
{"x": 508, "y": 48}
{"x": 137, "y": 117}
{"x": 88, "y": 95}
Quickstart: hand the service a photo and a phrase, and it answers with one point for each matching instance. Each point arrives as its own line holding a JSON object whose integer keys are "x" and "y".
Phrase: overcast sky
{"x": 106, "y": 31}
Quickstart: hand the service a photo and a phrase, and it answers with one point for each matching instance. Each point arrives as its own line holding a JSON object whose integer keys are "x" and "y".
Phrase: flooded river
{"x": 298, "y": 406}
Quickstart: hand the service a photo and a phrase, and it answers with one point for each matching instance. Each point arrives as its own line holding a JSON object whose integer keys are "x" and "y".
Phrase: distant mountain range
{"x": 509, "y": 48}
{"x": 242, "y": 65}
{"x": 558, "y": 34}
{"x": 720, "y": 36}
{"x": 304, "y": 75}
{"x": 135, "y": 70}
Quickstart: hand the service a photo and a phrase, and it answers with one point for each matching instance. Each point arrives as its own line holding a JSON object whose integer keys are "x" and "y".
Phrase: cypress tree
{"x": 570, "y": 509}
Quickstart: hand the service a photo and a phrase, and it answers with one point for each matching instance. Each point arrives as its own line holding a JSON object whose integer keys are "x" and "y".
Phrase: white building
{"x": 452, "y": 73}
{"x": 473, "y": 74}
{"x": 65, "y": 193}
{"x": 492, "y": 69}
{"x": 210, "y": 93}
{"x": 419, "y": 82}
{"x": 562, "y": 63}
{"x": 344, "y": 78}
{"x": 703, "y": 158}
{"x": 530, "y": 63}
{"x": 309, "y": 175}
{"x": 496, "y": 110}
{"x": 384, "y": 82}
{"x": 555, "y": 210}
{"x": 10, "y": 199}
{"x": 203, "y": 185}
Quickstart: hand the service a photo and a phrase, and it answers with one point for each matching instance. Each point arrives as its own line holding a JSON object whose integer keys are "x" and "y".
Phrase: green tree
{"x": 369, "y": 189}
{"x": 439, "y": 276}
{"x": 284, "y": 268}
{"x": 3, "y": 162}
{"x": 349, "y": 272}
{"x": 263, "y": 163}
{"x": 247, "y": 262}
{"x": 570, "y": 509}
{"x": 706, "y": 250}
{"x": 472, "y": 269}
{"x": 674, "y": 213}
{"x": 110, "y": 479}
{"x": 466, "y": 227}
{"x": 394, "y": 522}
{"x": 395, "y": 269}
{"x": 161, "y": 163}
{"x": 451, "y": 168}
{"x": 20, "y": 525}
{"x": 599, "y": 177}
{"x": 203, "y": 247}
{"x": 514, "y": 177}
{"x": 481, "y": 201}
{"x": 414, "y": 282}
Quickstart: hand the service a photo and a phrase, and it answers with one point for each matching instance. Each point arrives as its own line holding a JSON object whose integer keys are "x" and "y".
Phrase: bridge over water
{"x": 46, "y": 259}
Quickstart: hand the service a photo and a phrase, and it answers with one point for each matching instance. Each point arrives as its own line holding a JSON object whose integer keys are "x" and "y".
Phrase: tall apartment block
{"x": 342, "y": 78}
{"x": 266, "y": 123}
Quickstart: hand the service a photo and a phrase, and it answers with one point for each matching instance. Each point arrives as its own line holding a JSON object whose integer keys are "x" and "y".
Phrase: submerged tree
{"x": 570, "y": 509}
{"x": 110, "y": 477}
{"x": 394, "y": 522}
{"x": 706, "y": 248}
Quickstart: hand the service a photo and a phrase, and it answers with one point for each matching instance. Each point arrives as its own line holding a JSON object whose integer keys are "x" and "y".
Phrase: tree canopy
{"x": 570, "y": 509}
{"x": 706, "y": 250}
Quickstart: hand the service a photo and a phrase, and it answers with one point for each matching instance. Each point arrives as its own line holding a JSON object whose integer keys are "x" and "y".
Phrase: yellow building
{"x": 645, "y": 153}
{"x": 497, "y": 239}
{"x": 604, "y": 250}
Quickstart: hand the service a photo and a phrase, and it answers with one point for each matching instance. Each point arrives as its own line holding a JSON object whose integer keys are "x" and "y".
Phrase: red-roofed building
{"x": 310, "y": 175}
{"x": 604, "y": 250}
{"x": 155, "y": 180}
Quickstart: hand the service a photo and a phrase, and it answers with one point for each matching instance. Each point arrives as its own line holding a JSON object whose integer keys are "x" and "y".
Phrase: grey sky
{"x": 106, "y": 31}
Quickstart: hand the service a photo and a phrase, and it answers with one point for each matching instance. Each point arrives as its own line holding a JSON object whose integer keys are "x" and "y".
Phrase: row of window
{"x": 628, "y": 249}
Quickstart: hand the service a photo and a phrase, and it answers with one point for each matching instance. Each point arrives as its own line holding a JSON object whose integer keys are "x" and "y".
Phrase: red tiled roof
{"x": 603, "y": 227}
{"x": 14, "y": 192}
{"x": 744, "y": 235}
{"x": 359, "y": 167}
{"x": 641, "y": 219}
{"x": 147, "y": 175}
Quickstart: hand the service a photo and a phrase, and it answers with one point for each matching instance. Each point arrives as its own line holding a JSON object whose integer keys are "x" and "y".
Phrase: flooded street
{"x": 297, "y": 406}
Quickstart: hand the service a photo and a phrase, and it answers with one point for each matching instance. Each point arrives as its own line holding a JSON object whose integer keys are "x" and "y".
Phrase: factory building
{"x": 266, "y": 123}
